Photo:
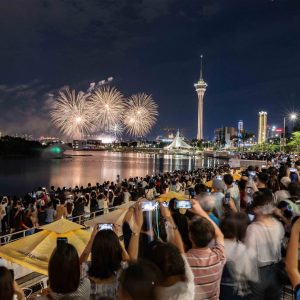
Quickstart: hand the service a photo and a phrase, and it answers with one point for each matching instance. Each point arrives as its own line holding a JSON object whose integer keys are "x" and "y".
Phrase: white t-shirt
{"x": 281, "y": 195}
{"x": 265, "y": 241}
{"x": 218, "y": 196}
{"x": 182, "y": 290}
{"x": 235, "y": 195}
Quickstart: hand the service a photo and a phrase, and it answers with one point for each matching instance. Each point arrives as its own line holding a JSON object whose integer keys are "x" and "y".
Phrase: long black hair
{"x": 106, "y": 255}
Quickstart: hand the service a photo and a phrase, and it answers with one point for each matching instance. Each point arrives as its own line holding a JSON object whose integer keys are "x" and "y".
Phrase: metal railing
{"x": 5, "y": 239}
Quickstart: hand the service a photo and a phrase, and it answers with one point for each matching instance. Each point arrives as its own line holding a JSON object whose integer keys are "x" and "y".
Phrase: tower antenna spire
{"x": 201, "y": 76}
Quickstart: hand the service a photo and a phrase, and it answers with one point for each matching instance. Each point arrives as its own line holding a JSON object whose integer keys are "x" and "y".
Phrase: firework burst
{"x": 71, "y": 115}
{"x": 107, "y": 106}
{"x": 141, "y": 114}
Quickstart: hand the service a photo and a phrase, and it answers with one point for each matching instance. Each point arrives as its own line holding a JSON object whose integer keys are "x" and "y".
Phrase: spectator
{"x": 61, "y": 210}
{"x": 139, "y": 281}
{"x": 177, "y": 280}
{"x": 207, "y": 263}
{"x": 8, "y": 287}
{"x": 264, "y": 237}
{"x": 64, "y": 274}
{"x": 218, "y": 194}
{"x": 292, "y": 259}
{"x": 233, "y": 190}
{"x": 50, "y": 213}
{"x": 240, "y": 263}
{"x": 109, "y": 258}
{"x": 208, "y": 204}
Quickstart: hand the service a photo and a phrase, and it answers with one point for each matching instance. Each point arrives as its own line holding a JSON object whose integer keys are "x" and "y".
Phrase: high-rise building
{"x": 224, "y": 135}
{"x": 240, "y": 127}
{"x": 200, "y": 87}
{"x": 262, "y": 127}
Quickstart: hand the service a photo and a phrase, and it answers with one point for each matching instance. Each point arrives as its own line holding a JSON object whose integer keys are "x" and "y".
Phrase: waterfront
{"x": 18, "y": 176}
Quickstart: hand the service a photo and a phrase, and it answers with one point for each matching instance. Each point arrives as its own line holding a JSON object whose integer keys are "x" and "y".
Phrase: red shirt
{"x": 207, "y": 265}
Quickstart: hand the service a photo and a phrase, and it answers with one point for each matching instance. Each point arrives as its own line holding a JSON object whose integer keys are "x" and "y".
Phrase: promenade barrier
{"x": 5, "y": 239}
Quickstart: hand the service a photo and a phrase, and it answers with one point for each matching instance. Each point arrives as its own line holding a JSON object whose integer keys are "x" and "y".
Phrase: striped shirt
{"x": 207, "y": 265}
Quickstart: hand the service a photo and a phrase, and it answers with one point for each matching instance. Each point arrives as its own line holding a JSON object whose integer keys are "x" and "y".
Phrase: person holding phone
{"x": 64, "y": 274}
{"x": 177, "y": 279}
{"x": 9, "y": 289}
{"x": 206, "y": 262}
{"x": 292, "y": 259}
{"x": 109, "y": 257}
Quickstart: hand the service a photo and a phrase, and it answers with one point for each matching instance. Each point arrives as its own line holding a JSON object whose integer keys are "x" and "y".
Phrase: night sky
{"x": 251, "y": 61}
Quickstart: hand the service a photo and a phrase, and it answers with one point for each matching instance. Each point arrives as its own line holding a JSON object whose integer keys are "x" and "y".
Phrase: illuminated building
{"x": 200, "y": 87}
{"x": 262, "y": 127}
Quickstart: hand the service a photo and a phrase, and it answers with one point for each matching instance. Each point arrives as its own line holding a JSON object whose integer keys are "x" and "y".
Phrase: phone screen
{"x": 183, "y": 204}
{"x": 227, "y": 198}
{"x": 148, "y": 205}
{"x": 293, "y": 170}
{"x": 106, "y": 226}
{"x": 165, "y": 204}
{"x": 249, "y": 190}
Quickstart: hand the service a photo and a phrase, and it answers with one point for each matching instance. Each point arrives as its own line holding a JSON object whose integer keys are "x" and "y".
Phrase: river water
{"x": 18, "y": 176}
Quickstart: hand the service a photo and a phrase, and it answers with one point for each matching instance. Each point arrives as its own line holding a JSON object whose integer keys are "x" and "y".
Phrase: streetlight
{"x": 292, "y": 117}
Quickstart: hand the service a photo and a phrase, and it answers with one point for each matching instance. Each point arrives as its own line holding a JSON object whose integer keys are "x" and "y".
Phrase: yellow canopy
{"x": 171, "y": 195}
{"x": 33, "y": 252}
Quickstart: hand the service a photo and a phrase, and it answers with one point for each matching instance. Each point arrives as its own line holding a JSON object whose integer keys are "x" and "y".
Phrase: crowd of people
{"x": 238, "y": 238}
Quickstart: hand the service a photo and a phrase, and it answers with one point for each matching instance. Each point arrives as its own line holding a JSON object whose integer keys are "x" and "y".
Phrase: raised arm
{"x": 133, "y": 247}
{"x": 175, "y": 237}
{"x": 197, "y": 209}
{"x": 291, "y": 261}
{"x": 86, "y": 252}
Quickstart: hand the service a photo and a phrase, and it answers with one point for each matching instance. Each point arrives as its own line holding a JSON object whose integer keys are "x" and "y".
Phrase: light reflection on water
{"x": 18, "y": 176}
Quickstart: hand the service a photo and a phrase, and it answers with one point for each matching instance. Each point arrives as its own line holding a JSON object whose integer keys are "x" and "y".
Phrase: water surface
{"x": 18, "y": 176}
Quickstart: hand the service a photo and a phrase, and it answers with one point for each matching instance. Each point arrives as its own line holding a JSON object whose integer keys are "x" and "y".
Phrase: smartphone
{"x": 219, "y": 177}
{"x": 149, "y": 205}
{"x": 293, "y": 170}
{"x": 263, "y": 166}
{"x": 165, "y": 204}
{"x": 60, "y": 241}
{"x": 251, "y": 217}
{"x": 192, "y": 193}
{"x": 252, "y": 174}
{"x": 227, "y": 198}
{"x": 249, "y": 190}
{"x": 183, "y": 204}
{"x": 105, "y": 226}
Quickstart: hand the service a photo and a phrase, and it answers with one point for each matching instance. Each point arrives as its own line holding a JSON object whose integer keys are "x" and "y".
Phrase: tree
{"x": 295, "y": 141}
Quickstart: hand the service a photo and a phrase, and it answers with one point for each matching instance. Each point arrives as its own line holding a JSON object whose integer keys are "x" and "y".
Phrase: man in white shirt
{"x": 233, "y": 190}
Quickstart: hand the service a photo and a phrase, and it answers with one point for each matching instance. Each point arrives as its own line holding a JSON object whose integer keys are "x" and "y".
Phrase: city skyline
{"x": 155, "y": 47}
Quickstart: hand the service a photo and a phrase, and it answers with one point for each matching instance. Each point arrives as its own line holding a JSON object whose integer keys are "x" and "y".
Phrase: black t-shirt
{"x": 42, "y": 217}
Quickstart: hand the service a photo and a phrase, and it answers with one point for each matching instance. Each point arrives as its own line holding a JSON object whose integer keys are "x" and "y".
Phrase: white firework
{"x": 117, "y": 130}
{"x": 71, "y": 115}
{"x": 141, "y": 114}
{"x": 107, "y": 105}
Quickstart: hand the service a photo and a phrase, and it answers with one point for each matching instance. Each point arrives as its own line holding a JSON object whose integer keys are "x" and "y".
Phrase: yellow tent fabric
{"x": 171, "y": 195}
{"x": 33, "y": 252}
